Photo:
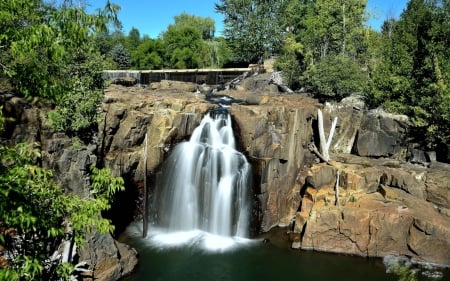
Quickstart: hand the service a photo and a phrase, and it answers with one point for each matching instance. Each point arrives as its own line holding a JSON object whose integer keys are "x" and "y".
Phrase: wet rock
{"x": 273, "y": 131}
{"x": 110, "y": 261}
{"x": 443, "y": 153}
{"x": 125, "y": 81}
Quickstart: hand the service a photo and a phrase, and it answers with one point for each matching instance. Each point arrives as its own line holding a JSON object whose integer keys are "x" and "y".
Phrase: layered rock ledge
{"x": 387, "y": 205}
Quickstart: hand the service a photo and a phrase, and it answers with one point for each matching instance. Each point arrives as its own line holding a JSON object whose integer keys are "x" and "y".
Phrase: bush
{"x": 335, "y": 77}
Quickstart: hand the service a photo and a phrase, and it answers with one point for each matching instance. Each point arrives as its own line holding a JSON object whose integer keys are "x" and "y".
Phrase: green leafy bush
{"x": 335, "y": 77}
{"x": 33, "y": 210}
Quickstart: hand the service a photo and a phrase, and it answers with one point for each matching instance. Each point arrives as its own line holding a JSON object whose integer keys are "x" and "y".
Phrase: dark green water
{"x": 250, "y": 260}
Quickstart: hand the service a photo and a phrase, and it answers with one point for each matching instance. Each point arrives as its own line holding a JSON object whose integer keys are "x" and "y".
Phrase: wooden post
{"x": 145, "y": 211}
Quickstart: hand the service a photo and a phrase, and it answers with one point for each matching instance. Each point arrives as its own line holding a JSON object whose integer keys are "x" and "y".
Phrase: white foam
{"x": 198, "y": 239}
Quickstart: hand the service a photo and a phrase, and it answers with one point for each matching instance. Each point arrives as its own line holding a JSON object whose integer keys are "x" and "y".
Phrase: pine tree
{"x": 121, "y": 57}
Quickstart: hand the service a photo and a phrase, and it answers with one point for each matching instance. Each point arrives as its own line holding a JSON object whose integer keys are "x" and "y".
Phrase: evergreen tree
{"x": 121, "y": 57}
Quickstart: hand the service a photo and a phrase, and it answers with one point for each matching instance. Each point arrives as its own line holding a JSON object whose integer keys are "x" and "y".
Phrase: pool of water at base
{"x": 243, "y": 260}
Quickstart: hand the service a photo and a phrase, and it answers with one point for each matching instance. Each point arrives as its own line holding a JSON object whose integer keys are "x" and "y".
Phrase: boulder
{"x": 363, "y": 226}
{"x": 110, "y": 261}
{"x": 125, "y": 81}
{"x": 407, "y": 196}
{"x": 174, "y": 85}
{"x": 382, "y": 134}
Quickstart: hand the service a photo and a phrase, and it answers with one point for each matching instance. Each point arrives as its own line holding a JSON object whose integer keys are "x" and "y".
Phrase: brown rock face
{"x": 108, "y": 259}
{"x": 392, "y": 219}
{"x": 386, "y": 205}
{"x": 273, "y": 131}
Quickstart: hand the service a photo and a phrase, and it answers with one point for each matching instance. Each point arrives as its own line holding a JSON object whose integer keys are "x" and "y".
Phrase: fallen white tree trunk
{"x": 325, "y": 143}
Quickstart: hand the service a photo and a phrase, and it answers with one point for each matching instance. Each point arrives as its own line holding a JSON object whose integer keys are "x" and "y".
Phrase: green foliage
{"x": 64, "y": 270}
{"x": 335, "y": 77}
{"x": 404, "y": 271}
{"x": 33, "y": 209}
{"x": 187, "y": 43}
{"x": 183, "y": 46}
{"x": 50, "y": 53}
{"x": 330, "y": 27}
{"x": 121, "y": 57}
{"x": 148, "y": 54}
{"x": 76, "y": 112}
{"x": 204, "y": 25}
{"x": 252, "y": 28}
{"x": 414, "y": 70}
{"x": 133, "y": 39}
{"x": 291, "y": 61}
{"x": 217, "y": 53}
{"x": 325, "y": 49}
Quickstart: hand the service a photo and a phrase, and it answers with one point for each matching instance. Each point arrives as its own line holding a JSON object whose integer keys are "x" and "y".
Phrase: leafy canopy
{"x": 251, "y": 27}
{"x": 50, "y": 52}
{"x": 33, "y": 210}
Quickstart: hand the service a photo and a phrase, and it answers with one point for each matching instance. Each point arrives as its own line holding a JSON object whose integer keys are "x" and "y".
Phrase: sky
{"x": 151, "y": 17}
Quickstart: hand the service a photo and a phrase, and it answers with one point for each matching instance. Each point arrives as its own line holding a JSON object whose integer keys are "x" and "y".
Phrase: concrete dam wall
{"x": 199, "y": 76}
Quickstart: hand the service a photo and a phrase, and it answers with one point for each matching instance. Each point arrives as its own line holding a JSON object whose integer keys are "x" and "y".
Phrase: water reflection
{"x": 249, "y": 259}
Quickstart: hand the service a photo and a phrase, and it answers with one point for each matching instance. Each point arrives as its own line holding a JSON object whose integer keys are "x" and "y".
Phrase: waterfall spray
{"x": 204, "y": 184}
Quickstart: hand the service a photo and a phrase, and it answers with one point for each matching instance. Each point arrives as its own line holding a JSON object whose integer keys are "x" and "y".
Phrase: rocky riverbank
{"x": 392, "y": 199}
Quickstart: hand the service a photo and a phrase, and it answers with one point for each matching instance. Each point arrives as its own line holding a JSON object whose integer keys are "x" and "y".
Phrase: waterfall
{"x": 204, "y": 183}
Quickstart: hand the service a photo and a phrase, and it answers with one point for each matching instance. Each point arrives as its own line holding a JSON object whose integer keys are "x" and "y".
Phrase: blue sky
{"x": 153, "y": 16}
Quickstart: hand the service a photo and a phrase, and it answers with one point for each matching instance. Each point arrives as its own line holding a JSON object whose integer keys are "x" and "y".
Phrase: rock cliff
{"x": 108, "y": 259}
{"x": 387, "y": 205}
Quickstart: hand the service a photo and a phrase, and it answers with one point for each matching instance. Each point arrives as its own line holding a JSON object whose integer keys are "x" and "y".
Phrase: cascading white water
{"x": 204, "y": 184}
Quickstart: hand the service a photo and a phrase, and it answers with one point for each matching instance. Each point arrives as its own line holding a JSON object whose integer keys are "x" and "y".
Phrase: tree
{"x": 333, "y": 27}
{"x": 217, "y": 53}
{"x": 33, "y": 211}
{"x": 121, "y": 57}
{"x": 411, "y": 79}
{"x": 329, "y": 33}
{"x": 291, "y": 60}
{"x": 183, "y": 47}
{"x": 205, "y": 26}
{"x": 133, "y": 39}
{"x": 251, "y": 27}
{"x": 335, "y": 77}
{"x": 50, "y": 53}
{"x": 148, "y": 54}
